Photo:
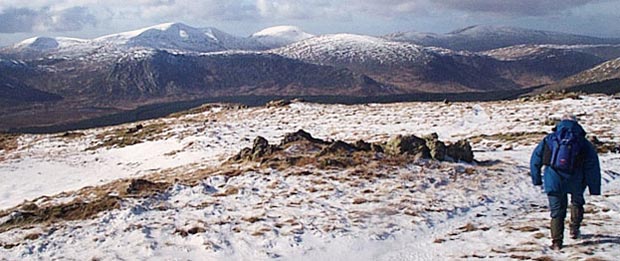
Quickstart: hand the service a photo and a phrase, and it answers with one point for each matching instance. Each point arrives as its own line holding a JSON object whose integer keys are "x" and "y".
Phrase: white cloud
{"x": 16, "y": 20}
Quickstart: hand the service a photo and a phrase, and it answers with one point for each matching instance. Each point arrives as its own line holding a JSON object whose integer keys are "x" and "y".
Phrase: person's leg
{"x": 576, "y": 214}
{"x": 557, "y": 205}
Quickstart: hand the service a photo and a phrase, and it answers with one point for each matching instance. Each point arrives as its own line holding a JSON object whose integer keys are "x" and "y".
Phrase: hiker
{"x": 571, "y": 164}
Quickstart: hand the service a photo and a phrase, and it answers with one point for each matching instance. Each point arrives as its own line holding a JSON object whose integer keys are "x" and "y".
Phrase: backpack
{"x": 563, "y": 150}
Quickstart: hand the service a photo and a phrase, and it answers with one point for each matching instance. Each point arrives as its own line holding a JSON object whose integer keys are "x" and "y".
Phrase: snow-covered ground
{"x": 424, "y": 210}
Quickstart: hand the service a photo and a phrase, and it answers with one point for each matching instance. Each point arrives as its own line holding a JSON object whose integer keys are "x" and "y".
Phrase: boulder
{"x": 437, "y": 149}
{"x": 409, "y": 144}
{"x": 338, "y": 147}
{"x": 260, "y": 148}
{"x": 300, "y": 135}
{"x": 461, "y": 151}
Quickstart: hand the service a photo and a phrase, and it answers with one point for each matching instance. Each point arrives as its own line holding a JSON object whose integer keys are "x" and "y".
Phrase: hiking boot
{"x": 576, "y": 216}
{"x": 557, "y": 233}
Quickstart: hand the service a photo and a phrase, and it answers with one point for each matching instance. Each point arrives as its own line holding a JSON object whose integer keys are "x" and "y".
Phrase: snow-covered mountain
{"x": 349, "y": 49}
{"x": 481, "y": 38}
{"x": 408, "y": 66}
{"x": 178, "y": 36}
{"x": 279, "y": 36}
{"x": 168, "y": 36}
{"x": 49, "y": 43}
{"x": 38, "y": 47}
{"x": 173, "y": 62}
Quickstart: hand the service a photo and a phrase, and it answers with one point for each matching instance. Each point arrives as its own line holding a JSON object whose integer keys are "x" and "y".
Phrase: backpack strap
{"x": 547, "y": 150}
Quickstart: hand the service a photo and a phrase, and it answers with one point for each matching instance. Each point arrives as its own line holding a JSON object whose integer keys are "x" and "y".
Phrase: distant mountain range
{"x": 482, "y": 38}
{"x": 59, "y": 80}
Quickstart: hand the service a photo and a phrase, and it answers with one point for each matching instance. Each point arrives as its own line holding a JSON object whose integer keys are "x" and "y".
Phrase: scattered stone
{"x": 196, "y": 230}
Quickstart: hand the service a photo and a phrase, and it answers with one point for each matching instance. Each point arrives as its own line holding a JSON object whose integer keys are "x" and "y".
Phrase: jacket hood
{"x": 571, "y": 125}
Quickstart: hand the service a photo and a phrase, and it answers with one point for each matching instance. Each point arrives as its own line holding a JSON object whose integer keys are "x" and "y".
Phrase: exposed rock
{"x": 365, "y": 146}
{"x": 338, "y": 147}
{"x": 410, "y": 145}
{"x": 300, "y": 148}
{"x": 260, "y": 149}
{"x": 299, "y": 136}
{"x": 437, "y": 149}
{"x": 461, "y": 151}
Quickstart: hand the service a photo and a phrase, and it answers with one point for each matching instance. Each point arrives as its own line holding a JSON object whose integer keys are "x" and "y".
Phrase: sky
{"x": 21, "y": 19}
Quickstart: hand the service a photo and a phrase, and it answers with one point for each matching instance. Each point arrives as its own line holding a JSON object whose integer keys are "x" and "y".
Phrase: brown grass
{"x": 145, "y": 188}
{"x": 252, "y": 219}
{"x": 123, "y": 137}
{"x": 525, "y": 229}
{"x": 75, "y": 210}
{"x": 228, "y": 192}
{"x": 358, "y": 201}
{"x": 8, "y": 142}
{"x": 469, "y": 228}
{"x": 510, "y": 137}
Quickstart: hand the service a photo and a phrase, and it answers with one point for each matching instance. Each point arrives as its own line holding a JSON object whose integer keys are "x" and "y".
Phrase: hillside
{"x": 532, "y": 65}
{"x": 604, "y": 78}
{"x": 52, "y": 81}
{"x": 485, "y": 37}
{"x": 410, "y": 67}
{"x": 173, "y": 188}
{"x": 106, "y": 83}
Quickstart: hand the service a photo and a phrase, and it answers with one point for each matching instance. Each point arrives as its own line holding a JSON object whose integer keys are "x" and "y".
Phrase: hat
{"x": 569, "y": 117}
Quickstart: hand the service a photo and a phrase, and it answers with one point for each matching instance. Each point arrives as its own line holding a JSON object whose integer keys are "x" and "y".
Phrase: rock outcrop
{"x": 301, "y": 148}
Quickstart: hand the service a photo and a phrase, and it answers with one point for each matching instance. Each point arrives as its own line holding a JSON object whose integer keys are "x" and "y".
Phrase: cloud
{"x": 299, "y": 9}
{"x": 16, "y": 20}
{"x": 508, "y": 7}
{"x": 24, "y": 20}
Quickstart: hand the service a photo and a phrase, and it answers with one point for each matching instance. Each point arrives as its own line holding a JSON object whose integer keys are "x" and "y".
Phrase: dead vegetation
{"x": 365, "y": 161}
{"x": 122, "y": 137}
{"x": 605, "y": 146}
{"x": 71, "y": 135}
{"x": 78, "y": 209}
{"x": 511, "y": 137}
{"x": 553, "y": 95}
{"x": 8, "y": 142}
{"x": 209, "y": 107}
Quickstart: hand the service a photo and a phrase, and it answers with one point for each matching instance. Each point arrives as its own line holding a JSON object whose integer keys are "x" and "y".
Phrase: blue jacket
{"x": 588, "y": 175}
